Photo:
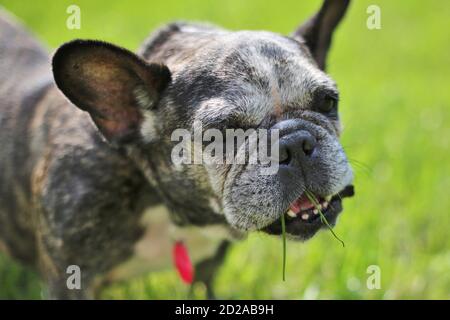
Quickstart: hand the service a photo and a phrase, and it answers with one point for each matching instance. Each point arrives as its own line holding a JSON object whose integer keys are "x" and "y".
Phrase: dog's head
{"x": 189, "y": 74}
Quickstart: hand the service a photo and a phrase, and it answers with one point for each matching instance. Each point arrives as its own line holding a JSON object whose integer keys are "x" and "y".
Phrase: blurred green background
{"x": 395, "y": 98}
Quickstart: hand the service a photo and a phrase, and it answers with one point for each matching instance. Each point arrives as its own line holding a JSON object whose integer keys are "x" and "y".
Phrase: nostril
{"x": 308, "y": 146}
{"x": 296, "y": 146}
{"x": 284, "y": 156}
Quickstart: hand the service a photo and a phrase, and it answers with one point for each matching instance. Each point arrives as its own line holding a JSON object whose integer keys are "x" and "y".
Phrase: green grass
{"x": 395, "y": 105}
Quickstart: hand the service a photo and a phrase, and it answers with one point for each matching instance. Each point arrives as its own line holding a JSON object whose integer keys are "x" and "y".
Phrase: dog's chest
{"x": 153, "y": 252}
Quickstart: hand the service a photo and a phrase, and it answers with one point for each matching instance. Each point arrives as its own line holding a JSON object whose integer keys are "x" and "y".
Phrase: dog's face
{"x": 223, "y": 80}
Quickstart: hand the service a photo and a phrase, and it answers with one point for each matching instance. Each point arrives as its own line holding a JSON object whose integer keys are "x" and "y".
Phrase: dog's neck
{"x": 183, "y": 215}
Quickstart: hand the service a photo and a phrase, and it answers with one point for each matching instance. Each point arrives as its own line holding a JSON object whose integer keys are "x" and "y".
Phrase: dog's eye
{"x": 328, "y": 105}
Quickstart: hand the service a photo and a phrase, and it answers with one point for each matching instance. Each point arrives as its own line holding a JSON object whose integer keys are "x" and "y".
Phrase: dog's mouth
{"x": 304, "y": 218}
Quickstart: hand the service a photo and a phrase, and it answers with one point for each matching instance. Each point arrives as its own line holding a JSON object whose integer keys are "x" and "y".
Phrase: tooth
{"x": 315, "y": 211}
{"x": 305, "y": 216}
{"x": 291, "y": 213}
{"x": 325, "y": 205}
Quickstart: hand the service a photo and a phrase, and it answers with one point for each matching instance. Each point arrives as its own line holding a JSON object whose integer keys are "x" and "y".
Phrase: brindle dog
{"x": 86, "y": 144}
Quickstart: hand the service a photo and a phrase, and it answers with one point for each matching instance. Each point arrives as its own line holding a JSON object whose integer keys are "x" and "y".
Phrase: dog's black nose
{"x": 296, "y": 146}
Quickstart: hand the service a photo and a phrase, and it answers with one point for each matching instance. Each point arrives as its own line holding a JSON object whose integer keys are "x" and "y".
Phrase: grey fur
{"x": 228, "y": 79}
{"x": 68, "y": 196}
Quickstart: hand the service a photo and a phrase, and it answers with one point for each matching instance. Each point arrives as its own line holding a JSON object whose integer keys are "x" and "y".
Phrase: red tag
{"x": 183, "y": 262}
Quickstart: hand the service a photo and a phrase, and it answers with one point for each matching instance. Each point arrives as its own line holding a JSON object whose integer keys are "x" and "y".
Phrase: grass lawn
{"x": 395, "y": 106}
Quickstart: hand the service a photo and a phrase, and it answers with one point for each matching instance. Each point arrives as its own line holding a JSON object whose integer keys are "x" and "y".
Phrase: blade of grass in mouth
{"x": 283, "y": 232}
{"x": 314, "y": 201}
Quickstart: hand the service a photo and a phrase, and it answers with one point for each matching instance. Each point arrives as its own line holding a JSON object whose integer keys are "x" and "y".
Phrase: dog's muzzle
{"x": 303, "y": 218}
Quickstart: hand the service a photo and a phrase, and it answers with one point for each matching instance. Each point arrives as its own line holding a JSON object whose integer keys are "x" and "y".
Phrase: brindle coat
{"x": 74, "y": 185}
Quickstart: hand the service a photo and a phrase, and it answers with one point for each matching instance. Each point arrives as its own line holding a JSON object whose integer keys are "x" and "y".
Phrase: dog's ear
{"x": 317, "y": 32}
{"x": 111, "y": 83}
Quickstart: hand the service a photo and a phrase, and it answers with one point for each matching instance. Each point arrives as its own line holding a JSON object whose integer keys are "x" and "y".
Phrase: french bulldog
{"x": 86, "y": 146}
